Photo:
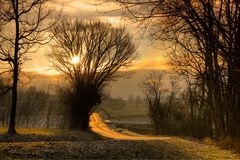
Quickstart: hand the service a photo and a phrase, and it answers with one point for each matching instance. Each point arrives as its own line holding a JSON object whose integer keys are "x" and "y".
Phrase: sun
{"x": 75, "y": 60}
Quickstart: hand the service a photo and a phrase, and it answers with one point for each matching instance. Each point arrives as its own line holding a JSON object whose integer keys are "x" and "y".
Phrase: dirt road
{"x": 167, "y": 147}
{"x": 101, "y": 128}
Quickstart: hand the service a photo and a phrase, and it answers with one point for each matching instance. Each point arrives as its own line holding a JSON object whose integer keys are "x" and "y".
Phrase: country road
{"x": 165, "y": 147}
{"x": 97, "y": 125}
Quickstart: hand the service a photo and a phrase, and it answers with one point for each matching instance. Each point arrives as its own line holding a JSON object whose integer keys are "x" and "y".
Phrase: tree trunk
{"x": 85, "y": 122}
{"x": 12, "y": 123}
{"x": 80, "y": 121}
{"x": 11, "y": 129}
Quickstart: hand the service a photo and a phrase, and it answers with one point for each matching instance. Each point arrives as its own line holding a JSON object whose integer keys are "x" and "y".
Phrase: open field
{"x": 65, "y": 144}
{"x": 130, "y": 111}
{"x": 170, "y": 148}
{"x": 46, "y": 135}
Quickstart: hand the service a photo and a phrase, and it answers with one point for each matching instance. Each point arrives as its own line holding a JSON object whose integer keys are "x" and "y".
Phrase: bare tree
{"x": 152, "y": 88}
{"x": 205, "y": 36}
{"x": 25, "y": 26}
{"x": 50, "y": 105}
{"x": 165, "y": 108}
{"x": 89, "y": 54}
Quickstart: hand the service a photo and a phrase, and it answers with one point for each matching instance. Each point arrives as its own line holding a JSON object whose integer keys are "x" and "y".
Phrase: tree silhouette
{"x": 24, "y": 28}
{"x": 204, "y": 37}
{"x": 152, "y": 88}
{"x": 89, "y": 54}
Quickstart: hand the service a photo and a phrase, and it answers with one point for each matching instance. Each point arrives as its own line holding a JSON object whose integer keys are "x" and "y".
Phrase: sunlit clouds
{"x": 159, "y": 63}
{"x": 149, "y": 57}
{"x": 48, "y": 70}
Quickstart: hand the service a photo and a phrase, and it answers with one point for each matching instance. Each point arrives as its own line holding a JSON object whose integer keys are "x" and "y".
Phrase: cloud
{"x": 149, "y": 57}
{"x": 84, "y": 9}
{"x": 159, "y": 64}
{"x": 41, "y": 70}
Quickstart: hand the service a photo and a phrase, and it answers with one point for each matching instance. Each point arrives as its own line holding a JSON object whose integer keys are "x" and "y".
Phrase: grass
{"x": 42, "y": 131}
{"x": 196, "y": 149}
{"x": 65, "y": 144}
{"x": 105, "y": 149}
{"x": 46, "y": 135}
{"x": 227, "y": 143}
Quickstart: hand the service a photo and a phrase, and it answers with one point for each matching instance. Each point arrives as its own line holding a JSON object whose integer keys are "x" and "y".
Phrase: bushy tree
{"x": 89, "y": 54}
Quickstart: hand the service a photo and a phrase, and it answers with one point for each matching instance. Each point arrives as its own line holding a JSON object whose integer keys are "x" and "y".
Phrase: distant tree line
{"x": 117, "y": 104}
{"x": 46, "y": 108}
{"x": 36, "y": 108}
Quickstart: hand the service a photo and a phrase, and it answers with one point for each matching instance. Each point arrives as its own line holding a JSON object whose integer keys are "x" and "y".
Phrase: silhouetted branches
{"x": 204, "y": 45}
{"x": 163, "y": 103}
{"x": 24, "y": 27}
{"x": 89, "y": 54}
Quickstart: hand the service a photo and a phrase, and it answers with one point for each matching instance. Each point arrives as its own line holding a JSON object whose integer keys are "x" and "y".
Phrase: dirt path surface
{"x": 98, "y": 126}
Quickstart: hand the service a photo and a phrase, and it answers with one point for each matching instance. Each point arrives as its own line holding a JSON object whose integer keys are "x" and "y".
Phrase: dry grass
{"x": 227, "y": 143}
{"x": 41, "y": 131}
{"x": 65, "y": 144}
{"x": 47, "y": 135}
{"x": 196, "y": 149}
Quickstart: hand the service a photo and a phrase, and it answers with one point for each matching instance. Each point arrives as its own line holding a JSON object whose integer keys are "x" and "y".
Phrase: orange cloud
{"x": 149, "y": 57}
{"x": 47, "y": 70}
{"x": 159, "y": 63}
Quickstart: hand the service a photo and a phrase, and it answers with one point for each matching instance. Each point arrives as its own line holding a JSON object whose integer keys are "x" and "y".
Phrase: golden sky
{"x": 148, "y": 56}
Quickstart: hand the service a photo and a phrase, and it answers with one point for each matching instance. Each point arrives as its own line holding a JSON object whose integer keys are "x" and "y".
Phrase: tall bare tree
{"x": 89, "y": 54}
{"x": 152, "y": 88}
{"x": 206, "y": 39}
{"x": 25, "y": 26}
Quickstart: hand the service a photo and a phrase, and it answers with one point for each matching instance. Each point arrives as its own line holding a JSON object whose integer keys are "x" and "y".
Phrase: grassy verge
{"x": 227, "y": 143}
{"x": 183, "y": 148}
{"x": 47, "y": 135}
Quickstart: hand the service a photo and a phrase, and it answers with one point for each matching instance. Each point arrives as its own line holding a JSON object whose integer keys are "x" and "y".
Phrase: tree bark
{"x": 85, "y": 122}
{"x": 80, "y": 122}
{"x": 11, "y": 129}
